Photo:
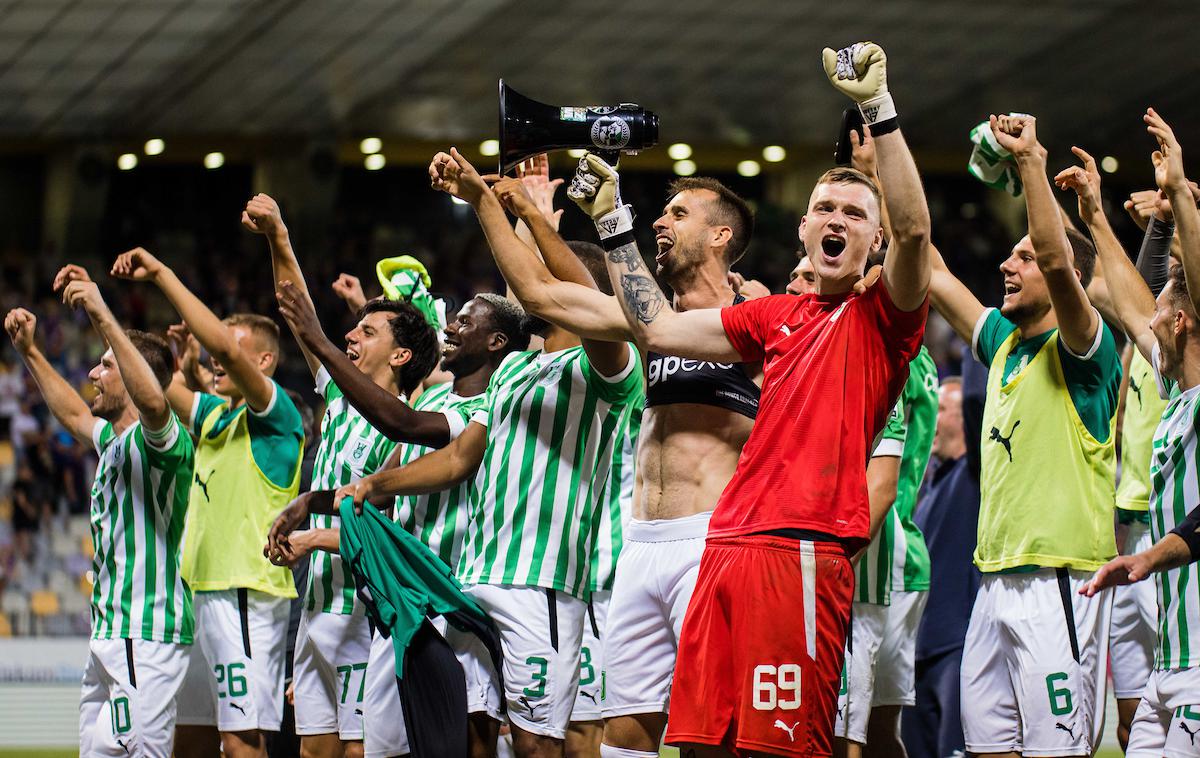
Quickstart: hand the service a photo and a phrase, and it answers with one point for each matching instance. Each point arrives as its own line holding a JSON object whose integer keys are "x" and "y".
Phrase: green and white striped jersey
{"x": 616, "y": 503}
{"x": 350, "y": 449}
{"x": 553, "y": 422}
{"x": 440, "y": 519}
{"x": 139, "y": 505}
{"x": 1175, "y": 490}
{"x": 897, "y": 559}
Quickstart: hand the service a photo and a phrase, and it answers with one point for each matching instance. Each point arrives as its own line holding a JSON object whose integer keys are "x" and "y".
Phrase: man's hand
{"x": 535, "y": 175}
{"x": 262, "y": 216}
{"x": 515, "y": 197}
{"x": 858, "y": 71}
{"x": 1124, "y": 569}
{"x": 1168, "y": 158}
{"x": 298, "y": 312}
{"x": 289, "y": 520}
{"x": 864, "y": 284}
{"x": 349, "y": 289}
{"x": 138, "y": 265}
{"x": 70, "y": 273}
{"x": 21, "y": 325}
{"x": 750, "y": 289}
{"x": 1017, "y": 135}
{"x": 84, "y": 295}
{"x": 862, "y": 153}
{"x": 596, "y": 187}
{"x": 359, "y": 492}
{"x": 1085, "y": 180}
{"x": 1142, "y": 205}
{"x": 187, "y": 347}
{"x": 453, "y": 174}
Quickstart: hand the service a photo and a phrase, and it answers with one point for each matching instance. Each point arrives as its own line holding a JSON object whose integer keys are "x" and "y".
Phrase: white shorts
{"x": 1033, "y": 670}
{"x": 590, "y": 695}
{"x": 1134, "y": 629}
{"x": 1167, "y": 722}
{"x": 127, "y": 702}
{"x": 329, "y": 675}
{"x": 541, "y": 632}
{"x": 656, "y": 573}
{"x": 235, "y": 679}
{"x": 867, "y": 624}
{"x": 895, "y": 666}
{"x": 385, "y": 733}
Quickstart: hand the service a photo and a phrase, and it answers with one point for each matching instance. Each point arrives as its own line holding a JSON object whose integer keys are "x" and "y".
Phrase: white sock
{"x": 608, "y": 751}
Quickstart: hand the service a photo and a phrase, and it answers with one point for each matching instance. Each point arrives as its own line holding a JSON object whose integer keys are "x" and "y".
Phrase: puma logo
{"x": 358, "y": 712}
{"x": 204, "y": 484}
{"x": 525, "y": 702}
{"x": 787, "y": 332}
{"x": 126, "y": 747}
{"x": 789, "y": 729}
{"x": 589, "y": 695}
{"x": 995, "y": 436}
{"x": 235, "y": 705}
{"x": 1191, "y": 735}
{"x": 1136, "y": 388}
{"x": 1065, "y": 728}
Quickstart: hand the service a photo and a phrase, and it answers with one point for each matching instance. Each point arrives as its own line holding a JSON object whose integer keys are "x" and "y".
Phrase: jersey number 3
{"x": 777, "y": 687}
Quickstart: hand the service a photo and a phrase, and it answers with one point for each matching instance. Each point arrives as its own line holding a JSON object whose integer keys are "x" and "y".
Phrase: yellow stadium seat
{"x": 43, "y": 603}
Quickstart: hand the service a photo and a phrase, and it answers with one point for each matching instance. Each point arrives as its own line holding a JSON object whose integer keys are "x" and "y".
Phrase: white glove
{"x": 596, "y": 187}
{"x": 860, "y": 71}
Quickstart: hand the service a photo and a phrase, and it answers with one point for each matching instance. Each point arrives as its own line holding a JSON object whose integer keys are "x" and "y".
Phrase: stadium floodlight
{"x": 774, "y": 153}
{"x": 489, "y": 147}
{"x": 370, "y": 145}
{"x": 214, "y": 160}
{"x": 374, "y": 162}
{"x": 1108, "y": 164}
{"x": 684, "y": 168}
{"x": 749, "y": 168}
{"x": 127, "y": 161}
{"x": 679, "y": 151}
{"x": 154, "y": 146}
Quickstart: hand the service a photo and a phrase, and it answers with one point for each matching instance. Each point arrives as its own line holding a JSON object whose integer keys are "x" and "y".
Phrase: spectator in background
{"x": 948, "y": 515}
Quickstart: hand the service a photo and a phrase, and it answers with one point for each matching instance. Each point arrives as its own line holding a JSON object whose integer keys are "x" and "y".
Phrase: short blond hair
{"x": 847, "y": 175}
{"x": 265, "y": 331}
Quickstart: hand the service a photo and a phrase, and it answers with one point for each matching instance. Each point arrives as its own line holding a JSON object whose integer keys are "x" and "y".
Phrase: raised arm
{"x": 262, "y": 216}
{"x": 64, "y": 402}
{"x": 1077, "y": 319}
{"x": 655, "y": 326}
{"x": 860, "y": 71}
{"x": 382, "y": 410}
{"x": 1168, "y": 173}
{"x": 608, "y": 356}
{"x": 218, "y": 339}
{"x": 1130, "y": 295}
{"x": 951, "y": 298}
{"x": 578, "y": 309}
{"x": 432, "y": 472}
{"x": 145, "y": 392}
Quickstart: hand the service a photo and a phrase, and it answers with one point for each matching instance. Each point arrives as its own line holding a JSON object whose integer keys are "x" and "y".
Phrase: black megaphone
{"x": 528, "y": 128}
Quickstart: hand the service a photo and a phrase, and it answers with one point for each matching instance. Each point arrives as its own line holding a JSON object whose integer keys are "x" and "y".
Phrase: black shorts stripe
{"x": 552, "y": 606}
{"x": 243, "y": 596}
{"x": 1064, "y": 592}
{"x": 129, "y": 663}
{"x": 592, "y": 618}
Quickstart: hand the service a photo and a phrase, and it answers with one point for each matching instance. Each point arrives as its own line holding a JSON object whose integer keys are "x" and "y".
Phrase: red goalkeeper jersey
{"x": 833, "y": 367}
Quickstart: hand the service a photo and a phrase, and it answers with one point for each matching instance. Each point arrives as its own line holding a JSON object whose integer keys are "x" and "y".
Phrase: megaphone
{"x": 528, "y": 128}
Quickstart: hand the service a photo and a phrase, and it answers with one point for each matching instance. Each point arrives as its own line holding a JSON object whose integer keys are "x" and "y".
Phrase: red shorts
{"x": 760, "y": 655}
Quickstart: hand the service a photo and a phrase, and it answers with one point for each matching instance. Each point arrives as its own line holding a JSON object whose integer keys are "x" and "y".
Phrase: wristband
{"x": 615, "y": 223}
{"x": 879, "y": 113}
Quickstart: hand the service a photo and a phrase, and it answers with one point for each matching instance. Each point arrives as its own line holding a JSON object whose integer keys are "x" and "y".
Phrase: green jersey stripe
{"x": 350, "y": 449}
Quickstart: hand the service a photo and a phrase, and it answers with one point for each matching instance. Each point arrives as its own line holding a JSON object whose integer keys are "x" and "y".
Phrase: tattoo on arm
{"x": 627, "y": 254}
{"x": 643, "y": 298}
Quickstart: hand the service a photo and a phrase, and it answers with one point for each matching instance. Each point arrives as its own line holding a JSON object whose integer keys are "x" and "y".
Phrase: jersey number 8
{"x": 772, "y": 684}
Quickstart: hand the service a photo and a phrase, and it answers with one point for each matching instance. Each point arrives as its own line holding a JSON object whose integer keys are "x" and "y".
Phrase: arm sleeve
{"x": 624, "y": 385}
{"x": 162, "y": 439}
{"x": 1095, "y": 369}
{"x": 102, "y": 435}
{"x": 747, "y": 323}
{"x": 990, "y": 332}
{"x": 323, "y": 382}
{"x": 202, "y": 405}
{"x": 1154, "y": 257}
{"x": 1188, "y": 530}
{"x": 892, "y": 438}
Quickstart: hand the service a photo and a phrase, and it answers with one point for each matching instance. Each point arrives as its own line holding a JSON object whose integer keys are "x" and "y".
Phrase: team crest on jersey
{"x": 358, "y": 453}
{"x": 550, "y": 375}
